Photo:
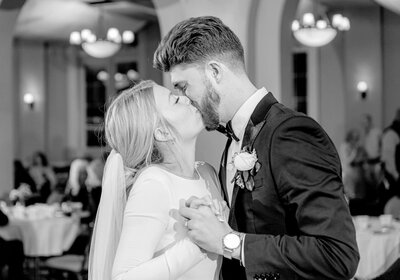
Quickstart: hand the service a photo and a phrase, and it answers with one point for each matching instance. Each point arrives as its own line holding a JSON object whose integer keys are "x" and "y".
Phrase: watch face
{"x": 231, "y": 241}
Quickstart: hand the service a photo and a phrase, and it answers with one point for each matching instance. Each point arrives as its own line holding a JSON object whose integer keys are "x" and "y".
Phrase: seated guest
{"x": 11, "y": 253}
{"x": 355, "y": 178}
{"x": 76, "y": 190}
{"x": 353, "y": 157}
{"x": 371, "y": 139}
{"x": 43, "y": 175}
{"x": 390, "y": 161}
{"x": 21, "y": 176}
{"x": 93, "y": 183}
{"x": 24, "y": 186}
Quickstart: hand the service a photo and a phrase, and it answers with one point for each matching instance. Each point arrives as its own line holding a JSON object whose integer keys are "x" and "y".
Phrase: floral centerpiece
{"x": 21, "y": 194}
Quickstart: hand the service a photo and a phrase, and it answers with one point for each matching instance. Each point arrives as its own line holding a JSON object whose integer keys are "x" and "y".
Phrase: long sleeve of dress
{"x": 145, "y": 221}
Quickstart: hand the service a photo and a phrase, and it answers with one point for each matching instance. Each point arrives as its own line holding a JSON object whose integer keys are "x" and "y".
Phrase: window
{"x": 300, "y": 81}
{"x": 103, "y": 80}
{"x": 95, "y": 101}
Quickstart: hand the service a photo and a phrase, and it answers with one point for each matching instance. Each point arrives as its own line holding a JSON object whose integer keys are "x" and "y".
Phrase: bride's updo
{"x": 130, "y": 122}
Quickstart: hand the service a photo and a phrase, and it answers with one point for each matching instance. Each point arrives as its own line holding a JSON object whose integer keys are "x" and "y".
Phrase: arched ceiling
{"x": 55, "y": 19}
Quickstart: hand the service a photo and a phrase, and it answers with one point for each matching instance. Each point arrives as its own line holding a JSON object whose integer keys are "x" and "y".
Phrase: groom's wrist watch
{"x": 231, "y": 242}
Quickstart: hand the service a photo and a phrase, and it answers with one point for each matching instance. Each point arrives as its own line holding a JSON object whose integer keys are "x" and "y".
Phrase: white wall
{"x": 56, "y": 124}
{"x": 57, "y": 98}
{"x": 363, "y": 62}
{"x": 332, "y": 93}
{"x": 31, "y": 79}
{"x": 7, "y": 105}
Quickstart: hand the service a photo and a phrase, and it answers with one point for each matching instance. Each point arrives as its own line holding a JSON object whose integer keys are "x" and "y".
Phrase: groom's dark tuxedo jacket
{"x": 296, "y": 219}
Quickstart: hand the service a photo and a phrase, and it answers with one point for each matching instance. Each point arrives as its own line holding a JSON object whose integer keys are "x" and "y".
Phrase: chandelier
{"x": 98, "y": 47}
{"x": 317, "y": 32}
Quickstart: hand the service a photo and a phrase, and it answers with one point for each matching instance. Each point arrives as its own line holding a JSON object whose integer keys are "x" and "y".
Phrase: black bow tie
{"x": 228, "y": 131}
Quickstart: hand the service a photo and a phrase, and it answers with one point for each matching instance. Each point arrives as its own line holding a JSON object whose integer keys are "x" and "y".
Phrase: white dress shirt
{"x": 239, "y": 123}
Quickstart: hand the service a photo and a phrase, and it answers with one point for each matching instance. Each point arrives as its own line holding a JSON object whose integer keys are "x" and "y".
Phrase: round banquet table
{"x": 379, "y": 247}
{"x": 42, "y": 237}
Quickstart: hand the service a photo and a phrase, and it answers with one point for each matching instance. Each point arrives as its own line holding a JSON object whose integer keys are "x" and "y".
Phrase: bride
{"x": 151, "y": 170}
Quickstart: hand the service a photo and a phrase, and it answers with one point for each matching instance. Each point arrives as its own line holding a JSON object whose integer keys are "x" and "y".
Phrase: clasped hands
{"x": 206, "y": 223}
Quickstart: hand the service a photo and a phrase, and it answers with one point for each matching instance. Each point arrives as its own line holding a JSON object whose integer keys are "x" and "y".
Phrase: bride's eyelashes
{"x": 177, "y": 100}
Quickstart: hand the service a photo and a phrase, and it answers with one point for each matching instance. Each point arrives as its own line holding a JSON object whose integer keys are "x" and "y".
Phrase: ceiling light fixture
{"x": 318, "y": 31}
{"x": 101, "y": 47}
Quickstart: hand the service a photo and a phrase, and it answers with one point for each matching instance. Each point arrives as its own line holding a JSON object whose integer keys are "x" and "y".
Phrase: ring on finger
{"x": 221, "y": 218}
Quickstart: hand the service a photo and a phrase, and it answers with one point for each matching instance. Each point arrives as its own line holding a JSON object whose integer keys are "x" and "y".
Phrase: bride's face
{"x": 178, "y": 112}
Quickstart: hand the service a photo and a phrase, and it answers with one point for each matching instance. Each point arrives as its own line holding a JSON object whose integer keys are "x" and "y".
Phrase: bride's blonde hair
{"x": 130, "y": 122}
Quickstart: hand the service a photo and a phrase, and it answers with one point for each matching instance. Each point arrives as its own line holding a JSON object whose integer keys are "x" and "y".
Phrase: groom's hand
{"x": 204, "y": 228}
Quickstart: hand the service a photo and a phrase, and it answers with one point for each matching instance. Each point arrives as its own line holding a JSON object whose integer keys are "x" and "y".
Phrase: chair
{"x": 392, "y": 273}
{"x": 67, "y": 266}
{"x": 71, "y": 264}
{"x": 393, "y": 207}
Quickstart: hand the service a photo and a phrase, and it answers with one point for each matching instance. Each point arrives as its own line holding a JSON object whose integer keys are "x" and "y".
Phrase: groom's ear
{"x": 214, "y": 70}
{"x": 161, "y": 135}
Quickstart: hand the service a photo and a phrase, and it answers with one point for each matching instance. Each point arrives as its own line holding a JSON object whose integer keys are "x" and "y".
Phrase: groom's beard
{"x": 209, "y": 107}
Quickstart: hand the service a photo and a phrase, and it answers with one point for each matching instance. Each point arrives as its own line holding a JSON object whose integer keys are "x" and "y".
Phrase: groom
{"x": 280, "y": 172}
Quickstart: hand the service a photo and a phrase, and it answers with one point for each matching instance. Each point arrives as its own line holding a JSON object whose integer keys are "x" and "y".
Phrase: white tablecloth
{"x": 379, "y": 247}
{"x": 42, "y": 237}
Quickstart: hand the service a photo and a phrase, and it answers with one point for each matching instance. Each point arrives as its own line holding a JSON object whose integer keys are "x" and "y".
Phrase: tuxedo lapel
{"x": 222, "y": 171}
{"x": 250, "y": 135}
{"x": 253, "y": 128}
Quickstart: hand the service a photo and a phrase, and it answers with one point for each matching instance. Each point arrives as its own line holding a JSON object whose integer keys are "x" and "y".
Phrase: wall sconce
{"x": 362, "y": 88}
{"x": 29, "y": 100}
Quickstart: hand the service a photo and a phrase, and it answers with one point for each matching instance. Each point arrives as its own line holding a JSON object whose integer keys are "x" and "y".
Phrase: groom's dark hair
{"x": 197, "y": 40}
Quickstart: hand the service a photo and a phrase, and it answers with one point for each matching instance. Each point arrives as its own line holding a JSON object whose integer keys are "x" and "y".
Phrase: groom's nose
{"x": 193, "y": 103}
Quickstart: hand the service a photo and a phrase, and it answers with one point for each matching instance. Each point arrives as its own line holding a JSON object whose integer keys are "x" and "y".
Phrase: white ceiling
{"x": 393, "y": 5}
{"x": 56, "y": 19}
{"x": 347, "y": 3}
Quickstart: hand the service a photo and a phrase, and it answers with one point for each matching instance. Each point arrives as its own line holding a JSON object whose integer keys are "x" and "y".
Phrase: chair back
{"x": 85, "y": 261}
{"x": 392, "y": 207}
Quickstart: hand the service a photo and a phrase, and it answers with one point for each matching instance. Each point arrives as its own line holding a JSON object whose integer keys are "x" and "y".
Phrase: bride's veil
{"x": 108, "y": 225}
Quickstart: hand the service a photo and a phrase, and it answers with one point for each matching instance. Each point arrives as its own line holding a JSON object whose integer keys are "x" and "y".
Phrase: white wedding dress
{"x": 154, "y": 242}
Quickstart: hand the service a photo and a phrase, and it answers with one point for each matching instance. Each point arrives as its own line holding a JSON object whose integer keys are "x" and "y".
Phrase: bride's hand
{"x": 195, "y": 202}
{"x": 217, "y": 206}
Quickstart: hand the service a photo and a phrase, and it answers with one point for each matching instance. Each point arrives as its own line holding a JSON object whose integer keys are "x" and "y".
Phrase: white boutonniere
{"x": 247, "y": 166}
